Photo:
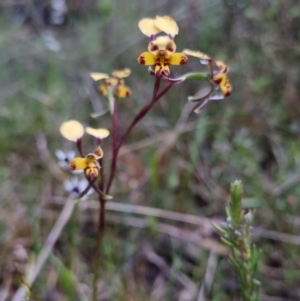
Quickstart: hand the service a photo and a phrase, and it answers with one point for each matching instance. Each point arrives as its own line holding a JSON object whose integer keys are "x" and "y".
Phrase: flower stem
{"x": 139, "y": 116}
{"x": 79, "y": 147}
{"x": 73, "y": 236}
{"x": 101, "y": 220}
{"x": 100, "y": 232}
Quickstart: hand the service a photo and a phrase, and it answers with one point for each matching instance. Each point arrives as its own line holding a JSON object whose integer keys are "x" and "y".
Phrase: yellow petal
{"x": 178, "y": 59}
{"x": 226, "y": 88}
{"x": 93, "y": 167}
{"x": 98, "y": 76}
{"x": 160, "y": 70}
{"x": 102, "y": 90}
{"x": 72, "y": 130}
{"x": 123, "y": 92}
{"x": 165, "y": 70}
{"x": 162, "y": 45}
{"x": 98, "y": 153}
{"x": 92, "y": 172}
{"x": 121, "y": 73}
{"x": 78, "y": 163}
{"x": 91, "y": 160}
{"x": 197, "y": 54}
{"x": 98, "y": 133}
{"x": 148, "y": 28}
{"x": 167, "y": 25}
{"x": 220, "y": 78}
{"x": 157, "y": 70}
{"x": 147, "y": 58}
{"x": 111, "y": 81}
{"x": 223, "y": 68}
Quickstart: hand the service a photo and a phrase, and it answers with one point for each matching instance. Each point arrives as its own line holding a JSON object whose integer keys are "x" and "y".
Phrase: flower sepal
{"x": 196, "y": 75}
{"x": 201, "y": 95}
{"x": 205, "y": 95}
{"x": 179, "y": 79}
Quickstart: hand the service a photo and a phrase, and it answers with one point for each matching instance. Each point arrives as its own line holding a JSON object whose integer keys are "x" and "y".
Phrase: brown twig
{"x": 47, "y": 248}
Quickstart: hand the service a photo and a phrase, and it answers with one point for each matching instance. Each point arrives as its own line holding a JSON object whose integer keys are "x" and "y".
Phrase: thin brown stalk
{"x": 139, "y": 116}
{"x": 100, "y": 233}
{"x": 47, "y": 248}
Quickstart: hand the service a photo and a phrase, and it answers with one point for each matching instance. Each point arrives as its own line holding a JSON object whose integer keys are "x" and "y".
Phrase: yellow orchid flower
{"x": 218, "y": 74}
{"x": 219, "y": 77}
{"x": 89, "y": 163}
{"x": 115, "y": 82}
{"x": 161, "y": 50}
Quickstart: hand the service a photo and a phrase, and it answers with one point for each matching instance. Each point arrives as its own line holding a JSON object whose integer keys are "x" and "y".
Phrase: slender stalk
{"x": 102, "y": 179}
{"x": 156, "y": 86}
{"x": 79, "y": 147}
{"x": 139, "y": 116}
{"x": 73, "y": 236}
{"x": 116, "y": 145}
{"x": 100, "y": 232}
{"x": 73, "y": 232}
{"x": 101, "y": 220}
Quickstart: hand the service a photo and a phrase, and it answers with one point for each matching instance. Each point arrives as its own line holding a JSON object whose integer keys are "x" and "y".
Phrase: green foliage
{"x": 252, "y": 136}
{"x": 236, "y": 233}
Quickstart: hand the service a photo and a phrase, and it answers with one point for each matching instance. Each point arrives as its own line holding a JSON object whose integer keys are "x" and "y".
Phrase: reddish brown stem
{"x": 138, "y": 117}
{"x": 79, "y": 147}
{"x": 100, "y": 232}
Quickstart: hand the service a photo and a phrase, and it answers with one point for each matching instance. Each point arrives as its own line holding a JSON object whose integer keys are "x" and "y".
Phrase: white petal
{"x": 76, "y": 171}
{"x": 63, "y": 164}
{"x": 70, "y": 155}
{"x": 82, "y": 185}
{"x": 60, "y": 154}
{"x": 75, "y": 182}
{"x": 68, "y": 185}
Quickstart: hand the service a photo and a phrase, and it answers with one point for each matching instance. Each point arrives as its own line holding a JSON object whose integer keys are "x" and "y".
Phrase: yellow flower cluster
{"x": 218, "y": 71}
{"x": 115, "y": 82}
{"x": 73, "y": 131}
{"x": 161, "y": 49}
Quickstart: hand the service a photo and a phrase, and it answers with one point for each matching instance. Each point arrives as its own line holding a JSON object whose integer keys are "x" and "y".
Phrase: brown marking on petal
{"x": 128, "y": 93}
{"x": 158, "y": 72}
{"x": 92, "y": 172}
{"x": 153, "y": 47}
{"x": 142, "y": 60}
{"x": 170, "y": 48}
{"x": 165, "y": 72}
{"x": 217, "y": 81}
{"x": 72, "y": 165}
{"x": 183, "y": 60}
{"x": 228, "y": 92}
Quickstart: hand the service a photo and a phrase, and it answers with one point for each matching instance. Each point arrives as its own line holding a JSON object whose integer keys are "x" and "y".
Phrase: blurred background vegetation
{"x": 174, "y": 160}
